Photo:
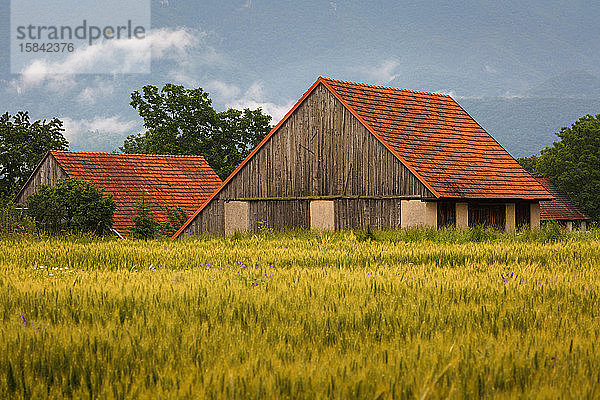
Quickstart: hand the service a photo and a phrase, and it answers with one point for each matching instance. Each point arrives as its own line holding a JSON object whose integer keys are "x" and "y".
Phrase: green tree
{"x": 22, "y": 146}
{"x": 529, "y": 163}
{"x": 71, "y": 206}
{"x": 183, "y": 121}
{"x": 573, "y": 163}
{"x": 145, "y": 225}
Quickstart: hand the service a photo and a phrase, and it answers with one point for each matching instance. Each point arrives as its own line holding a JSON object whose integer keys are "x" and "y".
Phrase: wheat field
{"x": 402, "y": 315}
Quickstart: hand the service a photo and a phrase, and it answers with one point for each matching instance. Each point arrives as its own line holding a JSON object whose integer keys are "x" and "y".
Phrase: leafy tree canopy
{"x": 183, "y": 121}
{"x": 71, "y": 206}
{"x": 22, "y": 146}
{"x": 573, "y": 163}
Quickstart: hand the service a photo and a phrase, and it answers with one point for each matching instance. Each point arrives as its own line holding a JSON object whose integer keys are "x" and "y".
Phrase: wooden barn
{"x": 348, "y": 155}
{"x": 561, "y": 209}
{"x": 173, "y": 181}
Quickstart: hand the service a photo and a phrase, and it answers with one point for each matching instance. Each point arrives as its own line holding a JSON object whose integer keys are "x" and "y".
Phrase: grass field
{"x": 409, "y": 315}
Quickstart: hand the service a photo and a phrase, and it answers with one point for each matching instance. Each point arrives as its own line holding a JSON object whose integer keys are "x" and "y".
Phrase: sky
{"x": 258, "y": 53}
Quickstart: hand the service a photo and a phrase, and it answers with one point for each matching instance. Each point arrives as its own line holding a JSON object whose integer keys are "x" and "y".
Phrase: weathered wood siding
{"x": 358, "y": 213}
{"x": 321, "y": 150}
{"x": 446, "y": 214}
{"x": 279, "y": 215}
{"x": 522, "y": 214}
{"x": 48, "y": 173}
{"x": 487, "y": 214}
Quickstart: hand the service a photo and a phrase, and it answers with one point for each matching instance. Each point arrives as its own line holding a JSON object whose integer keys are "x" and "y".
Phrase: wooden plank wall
{"x": 446, "y": 214}
{"x": 211, "y": 219}
{"x": 522, "y": 214}
{"x": 321, "y": 150}
{"x": 48, "y": 173}
{"x": 486, "y": 214}
{"x": 358, "y": 213}
{"x": 279, "y": 215}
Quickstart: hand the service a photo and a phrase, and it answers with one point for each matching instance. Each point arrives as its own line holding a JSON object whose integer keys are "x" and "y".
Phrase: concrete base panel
{"x": 462, "y": 215}
{"x": 322, "y": 217}
{"x": 236, "y": 217}
{"x": 416, "y": 213}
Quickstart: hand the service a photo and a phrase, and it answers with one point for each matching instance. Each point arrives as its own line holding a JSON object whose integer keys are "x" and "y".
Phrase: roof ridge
{"x": 386, "y": 87}
{"x": 125, "y": 154}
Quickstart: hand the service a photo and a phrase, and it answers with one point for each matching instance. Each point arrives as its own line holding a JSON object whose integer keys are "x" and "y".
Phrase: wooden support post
{"x": 511, "y": 217}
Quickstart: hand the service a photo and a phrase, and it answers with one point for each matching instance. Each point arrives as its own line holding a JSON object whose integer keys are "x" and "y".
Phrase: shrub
{"x": 480, "y": 233}
{"x": 176, "y": 217}
{"x": 366, "y": 235}
{"x": 15, "y": 221}
{"x": 71, "y": 206}
{"x": 552, "y": 232}
{"x": 145, "y": 225}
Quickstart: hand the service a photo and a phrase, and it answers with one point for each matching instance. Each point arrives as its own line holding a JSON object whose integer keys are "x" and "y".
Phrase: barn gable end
{"x": 48, "y": 172}
{"x": 320, "y": 151}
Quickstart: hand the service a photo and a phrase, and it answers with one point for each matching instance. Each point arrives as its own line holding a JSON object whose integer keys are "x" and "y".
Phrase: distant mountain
{"x": 524, "y": 126}
{"x": 571, "y": 84}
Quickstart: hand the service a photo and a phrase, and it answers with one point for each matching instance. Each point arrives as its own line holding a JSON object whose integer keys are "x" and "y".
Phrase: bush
{"x": 15, "y": 221}
{"x": 366, "y": 235}
{"x": 71, "y": 206}
{"x": 480, "y": 233}
{"x": 145, "y": 225}
{"x": 176, "y": 217}
{"x": 552, "y": 232}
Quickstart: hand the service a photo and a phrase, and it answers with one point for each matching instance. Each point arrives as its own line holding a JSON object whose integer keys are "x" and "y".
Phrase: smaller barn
{"x": 161, "y": 180}
{"x": 561, "y": 209}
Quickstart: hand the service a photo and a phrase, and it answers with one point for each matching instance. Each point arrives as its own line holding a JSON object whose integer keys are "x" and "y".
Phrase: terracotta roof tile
{"x": 561, "y": 208}
{"x": 435, "y": 137}
{"x": 184, "y": 181}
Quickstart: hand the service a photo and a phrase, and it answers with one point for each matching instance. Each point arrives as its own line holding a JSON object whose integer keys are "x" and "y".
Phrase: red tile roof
{"x": 561, "y": 208}
{"x": 184, "y": 181}
{"x": 439, "y": 141}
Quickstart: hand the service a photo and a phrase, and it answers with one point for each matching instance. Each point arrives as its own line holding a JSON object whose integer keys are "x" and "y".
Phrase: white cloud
{"x": 74, "y": 129}
{"x": 511, "y": 94}
{"x": 490, "y": 69}
{"x": 384, "y": 73}
{"x": 254, "y": 98}
{"x": 181, "y": 76}
{"x": 222, "y": 90}
{"x": 91, "y": 94}
{"x": 114, "y": 56}
{"x": 446, "y": 92}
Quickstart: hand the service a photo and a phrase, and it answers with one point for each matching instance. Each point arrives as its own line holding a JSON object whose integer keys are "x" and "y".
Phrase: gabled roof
{"x": 183, "y": 181}
{"x": 561, "y": 208}
{"x": 432, "y": 136}
{"x": 437, "y": 138}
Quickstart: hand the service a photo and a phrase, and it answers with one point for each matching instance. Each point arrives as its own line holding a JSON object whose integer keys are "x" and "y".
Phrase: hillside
{"x": 526, "y": 125}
